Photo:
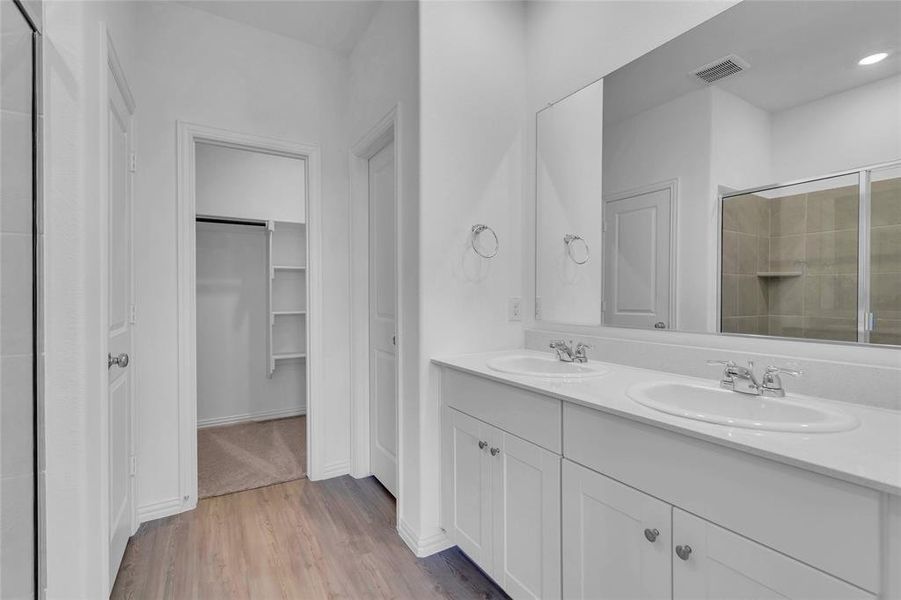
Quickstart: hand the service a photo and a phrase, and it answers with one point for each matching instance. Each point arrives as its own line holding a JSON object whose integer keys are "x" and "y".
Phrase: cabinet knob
{"x": 651, "y": 534}
{"x": 495, "y": 451}
{"x": 683, "y": 552}
{"x": 482, "y": 445}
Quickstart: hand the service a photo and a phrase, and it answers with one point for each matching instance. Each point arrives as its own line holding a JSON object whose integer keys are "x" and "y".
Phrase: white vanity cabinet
{"x": 501, "y": 495}
{"x": 554, "y": 498}
{"x": 502, "y": 505}
{"x": 616, "y": 540}
{"x": 621, "y": 543}
{"x": 722, "y": 564}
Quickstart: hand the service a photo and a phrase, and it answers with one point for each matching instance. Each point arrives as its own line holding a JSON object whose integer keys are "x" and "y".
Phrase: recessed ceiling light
{"x": 872, "y": 59}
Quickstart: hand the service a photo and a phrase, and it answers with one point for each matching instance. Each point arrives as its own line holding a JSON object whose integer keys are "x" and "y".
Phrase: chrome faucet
{"x": 742, "y": 379}
{"x": 567, "y": 353}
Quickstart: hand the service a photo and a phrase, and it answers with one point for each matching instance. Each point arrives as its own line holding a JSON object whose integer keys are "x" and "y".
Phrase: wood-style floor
{"x": 295, "y": 540}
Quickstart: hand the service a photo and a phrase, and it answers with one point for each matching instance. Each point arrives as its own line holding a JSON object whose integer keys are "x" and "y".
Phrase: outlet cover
{"x": 514, "y": 310}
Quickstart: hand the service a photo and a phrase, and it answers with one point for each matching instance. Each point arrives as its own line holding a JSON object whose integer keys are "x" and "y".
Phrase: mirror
{"x": 568, "y": 179}
{"x": 692, "y": 137}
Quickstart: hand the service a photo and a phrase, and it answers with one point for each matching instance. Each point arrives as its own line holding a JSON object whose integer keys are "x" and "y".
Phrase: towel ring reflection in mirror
{"x": 571, "y": 239}
{"x": 491, "y": 250}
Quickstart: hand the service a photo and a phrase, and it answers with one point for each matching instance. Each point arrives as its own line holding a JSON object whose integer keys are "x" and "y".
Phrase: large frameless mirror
{"x": 761, "y": 94}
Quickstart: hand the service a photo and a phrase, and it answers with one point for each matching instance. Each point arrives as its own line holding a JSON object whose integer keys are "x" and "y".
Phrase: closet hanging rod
{"x": 228, "y": 221}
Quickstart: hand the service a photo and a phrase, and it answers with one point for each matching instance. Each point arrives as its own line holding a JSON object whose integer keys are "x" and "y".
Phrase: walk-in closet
{"x": 251, "y": 301}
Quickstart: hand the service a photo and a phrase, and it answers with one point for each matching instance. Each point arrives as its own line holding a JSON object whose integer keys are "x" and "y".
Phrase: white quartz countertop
{"x": 868, "y": 455}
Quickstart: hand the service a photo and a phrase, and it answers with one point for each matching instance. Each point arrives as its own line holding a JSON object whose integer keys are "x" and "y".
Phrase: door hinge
{"x": 132, "y": 314}
{"x": 133, "y": 162}
{"x": 133, "y": 465}
{"x": 603, "y": 226}
{"x": 870, "y": 322}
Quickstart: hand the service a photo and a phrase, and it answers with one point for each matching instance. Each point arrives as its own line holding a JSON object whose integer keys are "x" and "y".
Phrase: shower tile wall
{"x": 790, "y": 265}
{"x": 815, "y": 237}
{"x": 746, "y": 252}
{"x": 885, "y": 260}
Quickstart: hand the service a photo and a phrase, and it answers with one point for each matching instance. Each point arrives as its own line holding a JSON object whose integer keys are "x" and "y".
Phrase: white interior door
{"x": 119, "y": 308}
{"x": 638, "y": 263}
{"x": 382, "y": 319}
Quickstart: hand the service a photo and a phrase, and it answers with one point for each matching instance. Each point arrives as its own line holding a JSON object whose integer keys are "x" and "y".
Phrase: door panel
{"x": 119, "y": 335}
{"x": 382, "y": 319}
{"x": 638, "y": 262}
{"x": 723, "y": 565}
{"x": 606, "y": 553}
{"x": 467, "y": 497}
{"x": 526, "y": 495}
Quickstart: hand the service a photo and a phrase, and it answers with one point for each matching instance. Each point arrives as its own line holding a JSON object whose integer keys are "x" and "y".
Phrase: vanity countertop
{"x": 868, "y": 455}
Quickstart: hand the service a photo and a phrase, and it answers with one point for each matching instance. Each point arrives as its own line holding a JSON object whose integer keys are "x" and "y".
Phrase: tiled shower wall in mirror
{"x": 790, "y": 261}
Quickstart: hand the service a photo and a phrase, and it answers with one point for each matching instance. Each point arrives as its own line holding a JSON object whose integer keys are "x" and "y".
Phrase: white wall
{"x": 238, "y": 183}
{"x": 672, "y": 141}
{"x": 473, "y": 94}
{"x": 196, "y": 67}
{"x": 384, "y": 72}
{"x": 75, "y": 373}
{"x": 233, "y": 382}
{"x": 812, "y": 139}
{"x": 570, "y": 145}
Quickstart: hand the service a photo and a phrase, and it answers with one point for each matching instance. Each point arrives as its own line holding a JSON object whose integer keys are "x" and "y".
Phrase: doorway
{"x": 383, "y": 318}
{"x": 249, "y": 294}
{"x": 377, "y": 304}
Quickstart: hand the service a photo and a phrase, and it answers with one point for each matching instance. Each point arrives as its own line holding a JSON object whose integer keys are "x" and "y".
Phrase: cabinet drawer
{"x": 829, "y": 524}
{"x": 531, "y": 416}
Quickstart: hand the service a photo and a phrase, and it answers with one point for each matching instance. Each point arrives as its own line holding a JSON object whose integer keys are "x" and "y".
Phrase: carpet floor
{"x": 245, "y": 456}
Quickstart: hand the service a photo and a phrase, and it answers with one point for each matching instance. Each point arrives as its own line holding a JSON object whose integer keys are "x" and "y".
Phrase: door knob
{"x": 683, "y": 552}
{"x": 482, "y": 445}
{"x": 495, "y": 451}
{"x": 120, "y": 361}
{"x": 651, "y": 534}
{"x": 659, "y": 325}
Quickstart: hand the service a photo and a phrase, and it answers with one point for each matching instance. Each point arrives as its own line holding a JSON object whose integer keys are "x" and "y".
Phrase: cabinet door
{"x": 466, "y": 497}
{"x": 526, "y": 493}
{"x": 616, "y": 540}
{"x": 724, "y": 565}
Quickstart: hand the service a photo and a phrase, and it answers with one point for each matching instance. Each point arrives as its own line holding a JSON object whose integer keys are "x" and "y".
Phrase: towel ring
{"x": 477, "y": 231}
{"x": 568, "y": 241}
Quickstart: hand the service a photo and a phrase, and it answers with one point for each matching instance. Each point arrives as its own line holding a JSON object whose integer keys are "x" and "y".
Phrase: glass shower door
{"x": 17, "y": 309}
{"x": 885, "y": 256}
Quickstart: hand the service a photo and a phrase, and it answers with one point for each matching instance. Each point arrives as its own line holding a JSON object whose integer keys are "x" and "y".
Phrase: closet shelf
{"x": 289, "y": 355}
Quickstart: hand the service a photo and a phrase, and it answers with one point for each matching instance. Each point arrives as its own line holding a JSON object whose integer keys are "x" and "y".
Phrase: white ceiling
{"x": 335, "y": 25}
{"x": 798, "y": 51}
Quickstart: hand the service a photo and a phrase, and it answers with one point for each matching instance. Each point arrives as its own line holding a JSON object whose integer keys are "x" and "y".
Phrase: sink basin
{"x": 725, "y": 407}
{"x": 545, "y": 367}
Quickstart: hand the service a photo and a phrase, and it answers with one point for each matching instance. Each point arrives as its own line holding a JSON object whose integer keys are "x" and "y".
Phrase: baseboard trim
{"x": 425, "y": 546}
{"x": 265, "y": 415}
{"x": 164, "y": 508}
{"x": 336, "y": 469}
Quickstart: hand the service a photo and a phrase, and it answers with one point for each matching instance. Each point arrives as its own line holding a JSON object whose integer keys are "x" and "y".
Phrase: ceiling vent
{"x": 720, "y": 68}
